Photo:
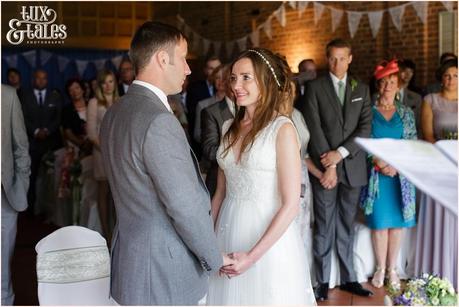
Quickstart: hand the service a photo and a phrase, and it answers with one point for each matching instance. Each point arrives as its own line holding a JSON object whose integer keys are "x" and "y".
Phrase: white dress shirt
{"x": 43, "y": 94}
{"x": 161, "y": 95}
{"x": 342, "y": 150}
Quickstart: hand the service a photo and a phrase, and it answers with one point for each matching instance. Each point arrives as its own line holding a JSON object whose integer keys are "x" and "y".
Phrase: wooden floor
{"x": 31, "y": 230}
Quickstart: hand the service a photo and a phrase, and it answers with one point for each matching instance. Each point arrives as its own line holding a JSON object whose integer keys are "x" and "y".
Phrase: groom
{"x": 164, "y": 245}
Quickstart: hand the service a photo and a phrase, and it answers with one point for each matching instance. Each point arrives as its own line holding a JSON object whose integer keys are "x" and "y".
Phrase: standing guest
{"x": 388, "y": 200}
{"x": 198, "y": 91}
{"x": 15, "y": 181}
{"x": 337, "y": 109}
{"x": 219, "y": 83}
{"x": 163, "y": 245}
{"x": 87, "y": 90}
{"x": 439, "y": 225}
{"x": 13, "y": 78}
{"x": 307, "y": 71}
{"x": 74, "y": 116}
{"x": 126, "y": 71}
{"x": 408, "y": 97}
{"x": 177, "y": 108}
{"x": 106, "y": 96}
{"x": 436, "y": 87}
{"x": 42, "y": 108}
{"x": 212, "y": 121}
{"x": 258, "y": 190}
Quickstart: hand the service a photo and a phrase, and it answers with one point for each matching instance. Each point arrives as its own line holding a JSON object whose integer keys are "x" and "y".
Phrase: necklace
{"x": 387, "y": 107}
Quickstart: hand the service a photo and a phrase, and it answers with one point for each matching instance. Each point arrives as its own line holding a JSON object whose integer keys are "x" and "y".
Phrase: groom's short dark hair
{"x": 151, "y": 37}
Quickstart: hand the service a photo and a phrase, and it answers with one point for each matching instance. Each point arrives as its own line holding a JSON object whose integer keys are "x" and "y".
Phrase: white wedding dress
{"x": 281, "y": 276}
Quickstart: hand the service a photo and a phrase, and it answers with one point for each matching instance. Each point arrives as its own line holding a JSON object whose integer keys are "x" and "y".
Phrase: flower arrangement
{"x": 427, "y": 290}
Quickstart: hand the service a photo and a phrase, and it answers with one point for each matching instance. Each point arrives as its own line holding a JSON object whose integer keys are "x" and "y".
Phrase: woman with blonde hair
{"x": 258, "y": 190}
{"x": 106, "y": 94}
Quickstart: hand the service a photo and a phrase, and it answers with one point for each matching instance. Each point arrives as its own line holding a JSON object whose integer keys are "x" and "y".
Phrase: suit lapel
{"x": 332, "y": 97}
{"x": 224, "y": 111}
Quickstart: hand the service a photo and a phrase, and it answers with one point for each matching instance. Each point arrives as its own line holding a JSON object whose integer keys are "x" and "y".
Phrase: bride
{"x": 258, "y": 191}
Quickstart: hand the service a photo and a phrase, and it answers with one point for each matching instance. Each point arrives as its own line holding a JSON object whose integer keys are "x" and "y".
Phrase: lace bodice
{"x": 254, "y": 177}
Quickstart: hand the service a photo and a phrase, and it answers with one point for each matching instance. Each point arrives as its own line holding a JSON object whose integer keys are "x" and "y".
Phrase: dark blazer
{"x": 47, "y": 116}
{"x": 196, "y": 92}
{"x": 212, "y": 121}
{"x": 121, "y": 91}
{"x": 332, "y": 125}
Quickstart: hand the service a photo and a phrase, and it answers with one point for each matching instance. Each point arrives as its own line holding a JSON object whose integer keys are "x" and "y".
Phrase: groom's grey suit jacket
{"x": 164, "y": 245}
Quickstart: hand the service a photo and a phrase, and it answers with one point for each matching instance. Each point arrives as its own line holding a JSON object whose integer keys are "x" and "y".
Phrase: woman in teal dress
{"x": 388, "y": 200}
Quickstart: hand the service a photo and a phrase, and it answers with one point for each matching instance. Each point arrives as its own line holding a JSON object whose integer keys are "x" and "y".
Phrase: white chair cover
{"x": 73, "y": 268}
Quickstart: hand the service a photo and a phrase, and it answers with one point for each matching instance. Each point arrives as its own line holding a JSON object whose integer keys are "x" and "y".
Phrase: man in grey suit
{"x": 15, "y": 181}
{"x": 337, "y": 109}
{"x": 164, "y": 246}
{"x": 212, "y": 121}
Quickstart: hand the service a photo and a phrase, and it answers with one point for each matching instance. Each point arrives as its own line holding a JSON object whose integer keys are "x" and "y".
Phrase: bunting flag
{"x": 12, "y": 61}
{"x": 280, "y": 16}
{"x": 44, "y": 57}
{"x": 217, "y": 47}
{"x": 81, "y": 66}
{"x": 242, "y": 43}
{"x": 318, "y": 10}
{"x": 396, "y": 13}
{"x": 117, "y": 61}
{"x": 336, "y": 18}
{"x": 353, "y": 19}
{"x": 205, "y": 45}
{"x": 449, "y": 5}
{"x": 30, "y": 57}
{"x": 302, "y": 5}
{"x": 292, "y": 4}
{"x": 100, "y": 64}
{"x": 62, "y": 62}
{"x": 375, "y": 22}
{"x": 421, "y": 10}
{"x": 255, "y": 38}
{"x": 267, "y": 28}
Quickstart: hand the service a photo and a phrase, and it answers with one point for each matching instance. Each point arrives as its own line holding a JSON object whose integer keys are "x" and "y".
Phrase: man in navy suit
{"x": 42, "y": 108}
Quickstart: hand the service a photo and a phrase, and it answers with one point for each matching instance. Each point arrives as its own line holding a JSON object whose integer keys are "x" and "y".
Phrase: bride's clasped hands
{"x": 241, "y": 262}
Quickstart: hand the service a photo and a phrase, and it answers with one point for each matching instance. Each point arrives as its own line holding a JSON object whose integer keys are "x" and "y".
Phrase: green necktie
{"x": 341, "y": 91}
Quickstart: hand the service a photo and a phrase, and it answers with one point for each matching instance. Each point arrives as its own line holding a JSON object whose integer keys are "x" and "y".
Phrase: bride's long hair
{"x": 273, "y": 78}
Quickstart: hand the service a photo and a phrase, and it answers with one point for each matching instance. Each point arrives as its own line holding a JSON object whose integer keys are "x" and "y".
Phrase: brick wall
{"x": 301, "y": 38}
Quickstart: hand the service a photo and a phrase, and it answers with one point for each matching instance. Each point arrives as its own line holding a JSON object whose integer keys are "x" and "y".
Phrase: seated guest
{"x": 388, "y": 200}
{"x": 219, "y": 83}
{"x": 408, "y": 97}
{"x": 126, "y": 71}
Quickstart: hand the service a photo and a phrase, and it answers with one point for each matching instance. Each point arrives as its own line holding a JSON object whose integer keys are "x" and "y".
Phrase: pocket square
{"x": 357, "y": 99}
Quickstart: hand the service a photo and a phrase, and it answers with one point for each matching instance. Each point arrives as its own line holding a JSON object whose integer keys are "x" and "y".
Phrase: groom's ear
{"x": 162, "y": 58}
